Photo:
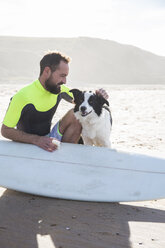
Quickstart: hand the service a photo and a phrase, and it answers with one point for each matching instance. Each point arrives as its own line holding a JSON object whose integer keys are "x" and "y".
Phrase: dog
{"x": 95, "y": 117}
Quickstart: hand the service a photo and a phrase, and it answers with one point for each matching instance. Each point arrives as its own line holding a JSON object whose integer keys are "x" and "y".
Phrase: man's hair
{"x": 52, "y": 60}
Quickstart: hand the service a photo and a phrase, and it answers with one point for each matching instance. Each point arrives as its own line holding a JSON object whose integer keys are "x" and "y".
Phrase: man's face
{"x": 57, "y": 78}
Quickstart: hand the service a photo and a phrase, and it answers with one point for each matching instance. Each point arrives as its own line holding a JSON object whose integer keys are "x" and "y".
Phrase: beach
{"x": 27, "y": 221}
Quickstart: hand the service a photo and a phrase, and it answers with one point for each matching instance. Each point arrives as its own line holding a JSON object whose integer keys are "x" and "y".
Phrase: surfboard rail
{"x": 79, "y": 172}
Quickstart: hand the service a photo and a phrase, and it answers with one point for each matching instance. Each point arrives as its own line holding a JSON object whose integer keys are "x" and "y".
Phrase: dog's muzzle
{"x": 84, "y": 112}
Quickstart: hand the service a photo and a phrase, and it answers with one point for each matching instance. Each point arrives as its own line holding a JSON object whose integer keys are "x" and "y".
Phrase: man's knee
{"x": 71, "y": 115}
{"x": 70, "y": 120}
{"x": 71, "y": 128}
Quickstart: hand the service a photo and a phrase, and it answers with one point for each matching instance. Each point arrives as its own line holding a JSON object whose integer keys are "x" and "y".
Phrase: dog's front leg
{"x": 87, "y": 141}
{"x": 107, "y": 144}
{"x": 103, "y": 143}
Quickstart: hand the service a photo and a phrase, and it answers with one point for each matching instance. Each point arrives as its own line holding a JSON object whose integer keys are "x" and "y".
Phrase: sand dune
{"x": 94, "y": 61}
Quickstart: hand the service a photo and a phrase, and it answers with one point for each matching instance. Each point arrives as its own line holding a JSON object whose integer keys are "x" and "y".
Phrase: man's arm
{"x": 17, "y": 135}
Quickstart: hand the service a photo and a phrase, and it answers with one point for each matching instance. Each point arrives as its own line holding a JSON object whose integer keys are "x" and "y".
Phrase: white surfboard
{"x": 80, "y": 172}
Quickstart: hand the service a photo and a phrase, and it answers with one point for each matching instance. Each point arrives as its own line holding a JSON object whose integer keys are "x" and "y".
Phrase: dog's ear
{"x": 105, "y": 101}
{"x": 77, "y": 94}
{"x": 102, "y": 100}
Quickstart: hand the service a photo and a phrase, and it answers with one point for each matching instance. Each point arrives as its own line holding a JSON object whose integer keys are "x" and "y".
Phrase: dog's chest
{"x": 91, "y": 129}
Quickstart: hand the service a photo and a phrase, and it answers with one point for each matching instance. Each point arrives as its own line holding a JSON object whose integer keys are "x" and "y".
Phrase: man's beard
{"x": 53, "y": 88}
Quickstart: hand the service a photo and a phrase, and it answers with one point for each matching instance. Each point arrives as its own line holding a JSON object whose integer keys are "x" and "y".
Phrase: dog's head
{"x": 88, "y": 102}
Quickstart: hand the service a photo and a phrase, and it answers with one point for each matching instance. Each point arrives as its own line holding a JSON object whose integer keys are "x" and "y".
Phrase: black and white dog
{"x": 94, "y": 116}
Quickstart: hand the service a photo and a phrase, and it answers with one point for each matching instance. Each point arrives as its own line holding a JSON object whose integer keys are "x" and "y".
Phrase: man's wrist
{"x": 35, "y": 139}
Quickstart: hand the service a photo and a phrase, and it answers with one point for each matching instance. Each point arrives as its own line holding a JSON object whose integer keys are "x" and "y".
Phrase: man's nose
{"x": 83, "y": 108}
{"x": 64, "y": 80}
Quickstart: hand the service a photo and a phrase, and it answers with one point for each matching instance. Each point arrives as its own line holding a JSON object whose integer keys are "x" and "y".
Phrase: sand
{"x": 28, "y": 221}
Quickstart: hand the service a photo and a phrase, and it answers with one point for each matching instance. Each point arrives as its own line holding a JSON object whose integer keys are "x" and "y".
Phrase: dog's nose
{"x": 83, "y": 108}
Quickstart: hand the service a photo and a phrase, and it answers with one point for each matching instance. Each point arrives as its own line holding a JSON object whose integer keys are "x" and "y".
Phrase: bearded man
{"x": 30, "y": 112}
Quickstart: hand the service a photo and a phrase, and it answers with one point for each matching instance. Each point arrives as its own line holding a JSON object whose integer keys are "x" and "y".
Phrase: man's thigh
{"x": 68, "y": 119}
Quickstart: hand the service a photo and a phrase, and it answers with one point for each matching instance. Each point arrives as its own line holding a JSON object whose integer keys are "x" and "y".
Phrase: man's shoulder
{"x": 66, "y": 94}
{"x": 64, "y": 88}
{"x": 23, "y": 92}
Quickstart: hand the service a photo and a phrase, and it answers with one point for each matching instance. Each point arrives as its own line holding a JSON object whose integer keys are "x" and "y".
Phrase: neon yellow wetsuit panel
{"x": 32, "y": 108}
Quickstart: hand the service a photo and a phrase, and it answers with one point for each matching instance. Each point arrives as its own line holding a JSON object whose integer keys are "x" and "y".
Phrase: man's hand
{"x": 19, "y": 136}
{"x": 46, "y": 143}
{"x": 103, "y": 93}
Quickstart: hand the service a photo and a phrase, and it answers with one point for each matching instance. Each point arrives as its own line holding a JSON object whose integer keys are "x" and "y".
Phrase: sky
{"x": 135, "y": 22}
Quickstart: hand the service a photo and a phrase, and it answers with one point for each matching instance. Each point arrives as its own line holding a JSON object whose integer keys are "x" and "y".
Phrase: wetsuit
{"x": 32, "y": 108}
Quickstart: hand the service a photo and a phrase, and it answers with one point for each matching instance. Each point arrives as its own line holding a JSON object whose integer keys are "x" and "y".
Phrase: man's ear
{"x": 47, "y": 71}
{"x": 102, "y": 100}
{"x": 76, "y": 93}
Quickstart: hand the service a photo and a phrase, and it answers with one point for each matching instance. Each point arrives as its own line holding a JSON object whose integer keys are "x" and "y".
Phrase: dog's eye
{"x": 90, "y": 101}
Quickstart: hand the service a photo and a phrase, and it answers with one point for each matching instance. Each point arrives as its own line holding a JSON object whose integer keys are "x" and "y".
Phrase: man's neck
{"x": 42, "y": 81}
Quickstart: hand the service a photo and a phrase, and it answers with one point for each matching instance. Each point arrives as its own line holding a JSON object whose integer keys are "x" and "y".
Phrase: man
{"x": 32, "y": 108}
